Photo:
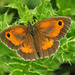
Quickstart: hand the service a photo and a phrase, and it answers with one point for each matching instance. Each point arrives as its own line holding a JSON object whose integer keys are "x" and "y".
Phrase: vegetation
{"x": 15, "y": 12}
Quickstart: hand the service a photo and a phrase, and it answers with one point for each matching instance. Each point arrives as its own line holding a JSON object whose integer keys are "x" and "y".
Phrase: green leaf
{"x": 17, "y": 72}
{"x": 32, "y": 73}
{"x": 31, "y": 3}
{"x": 71, "y": 45}
{"x": 72, "y": 29}
{"x": 5, "y": 20}
{"x": 45, "y": 8}
{"x": 17, "y": 66}
{"x": 3, "y": 49}
{"x": 66, "y": 7}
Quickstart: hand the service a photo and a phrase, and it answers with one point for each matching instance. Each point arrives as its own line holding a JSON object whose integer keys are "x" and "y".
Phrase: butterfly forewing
{"x": 46, "y": 46}
{"x": 28, "y": 50}
{"x": 13, "y": 36}
{"x": 55, "y": 27}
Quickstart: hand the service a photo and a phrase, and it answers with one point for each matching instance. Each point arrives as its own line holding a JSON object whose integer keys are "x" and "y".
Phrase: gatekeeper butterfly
{"x": 37, "y": 41}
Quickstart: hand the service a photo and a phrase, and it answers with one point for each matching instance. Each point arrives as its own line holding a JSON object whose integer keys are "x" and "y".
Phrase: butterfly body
{"x": 37, "y": 41}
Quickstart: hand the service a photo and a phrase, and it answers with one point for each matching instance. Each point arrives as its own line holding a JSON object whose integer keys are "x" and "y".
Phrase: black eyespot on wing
{"x": 60, "y": 23}
{"x": 8, "y": 34}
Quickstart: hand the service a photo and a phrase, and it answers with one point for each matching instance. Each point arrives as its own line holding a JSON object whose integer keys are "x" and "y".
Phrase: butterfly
{"x": 36, "y": 41}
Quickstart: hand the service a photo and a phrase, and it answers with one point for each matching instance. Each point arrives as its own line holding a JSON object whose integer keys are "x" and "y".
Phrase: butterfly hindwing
{"x": 28, "y": 50}
{"x": 46, "y": 46}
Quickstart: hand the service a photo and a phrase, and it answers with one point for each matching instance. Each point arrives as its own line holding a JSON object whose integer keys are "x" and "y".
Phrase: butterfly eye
{"x": 60, "y": 23}
{"x": 8, "y": 34}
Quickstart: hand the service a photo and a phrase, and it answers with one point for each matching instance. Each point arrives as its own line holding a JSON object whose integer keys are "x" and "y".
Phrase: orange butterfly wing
{"x": 28, "y": 50}
{"x": 49, "y": 32}
{"x": 55, "y": 27}
{"x": 13, "y": 36}
{"x": 17, "y": 37}
{"x": 46, "y": 46}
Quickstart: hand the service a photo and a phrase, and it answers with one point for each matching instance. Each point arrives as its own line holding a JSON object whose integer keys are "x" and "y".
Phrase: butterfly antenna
{"x": 29, "y": 24}
{"x": 30, "y": 27}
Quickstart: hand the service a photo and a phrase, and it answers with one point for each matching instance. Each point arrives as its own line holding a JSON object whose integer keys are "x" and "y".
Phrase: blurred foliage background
{"x": 14, "y": 12}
